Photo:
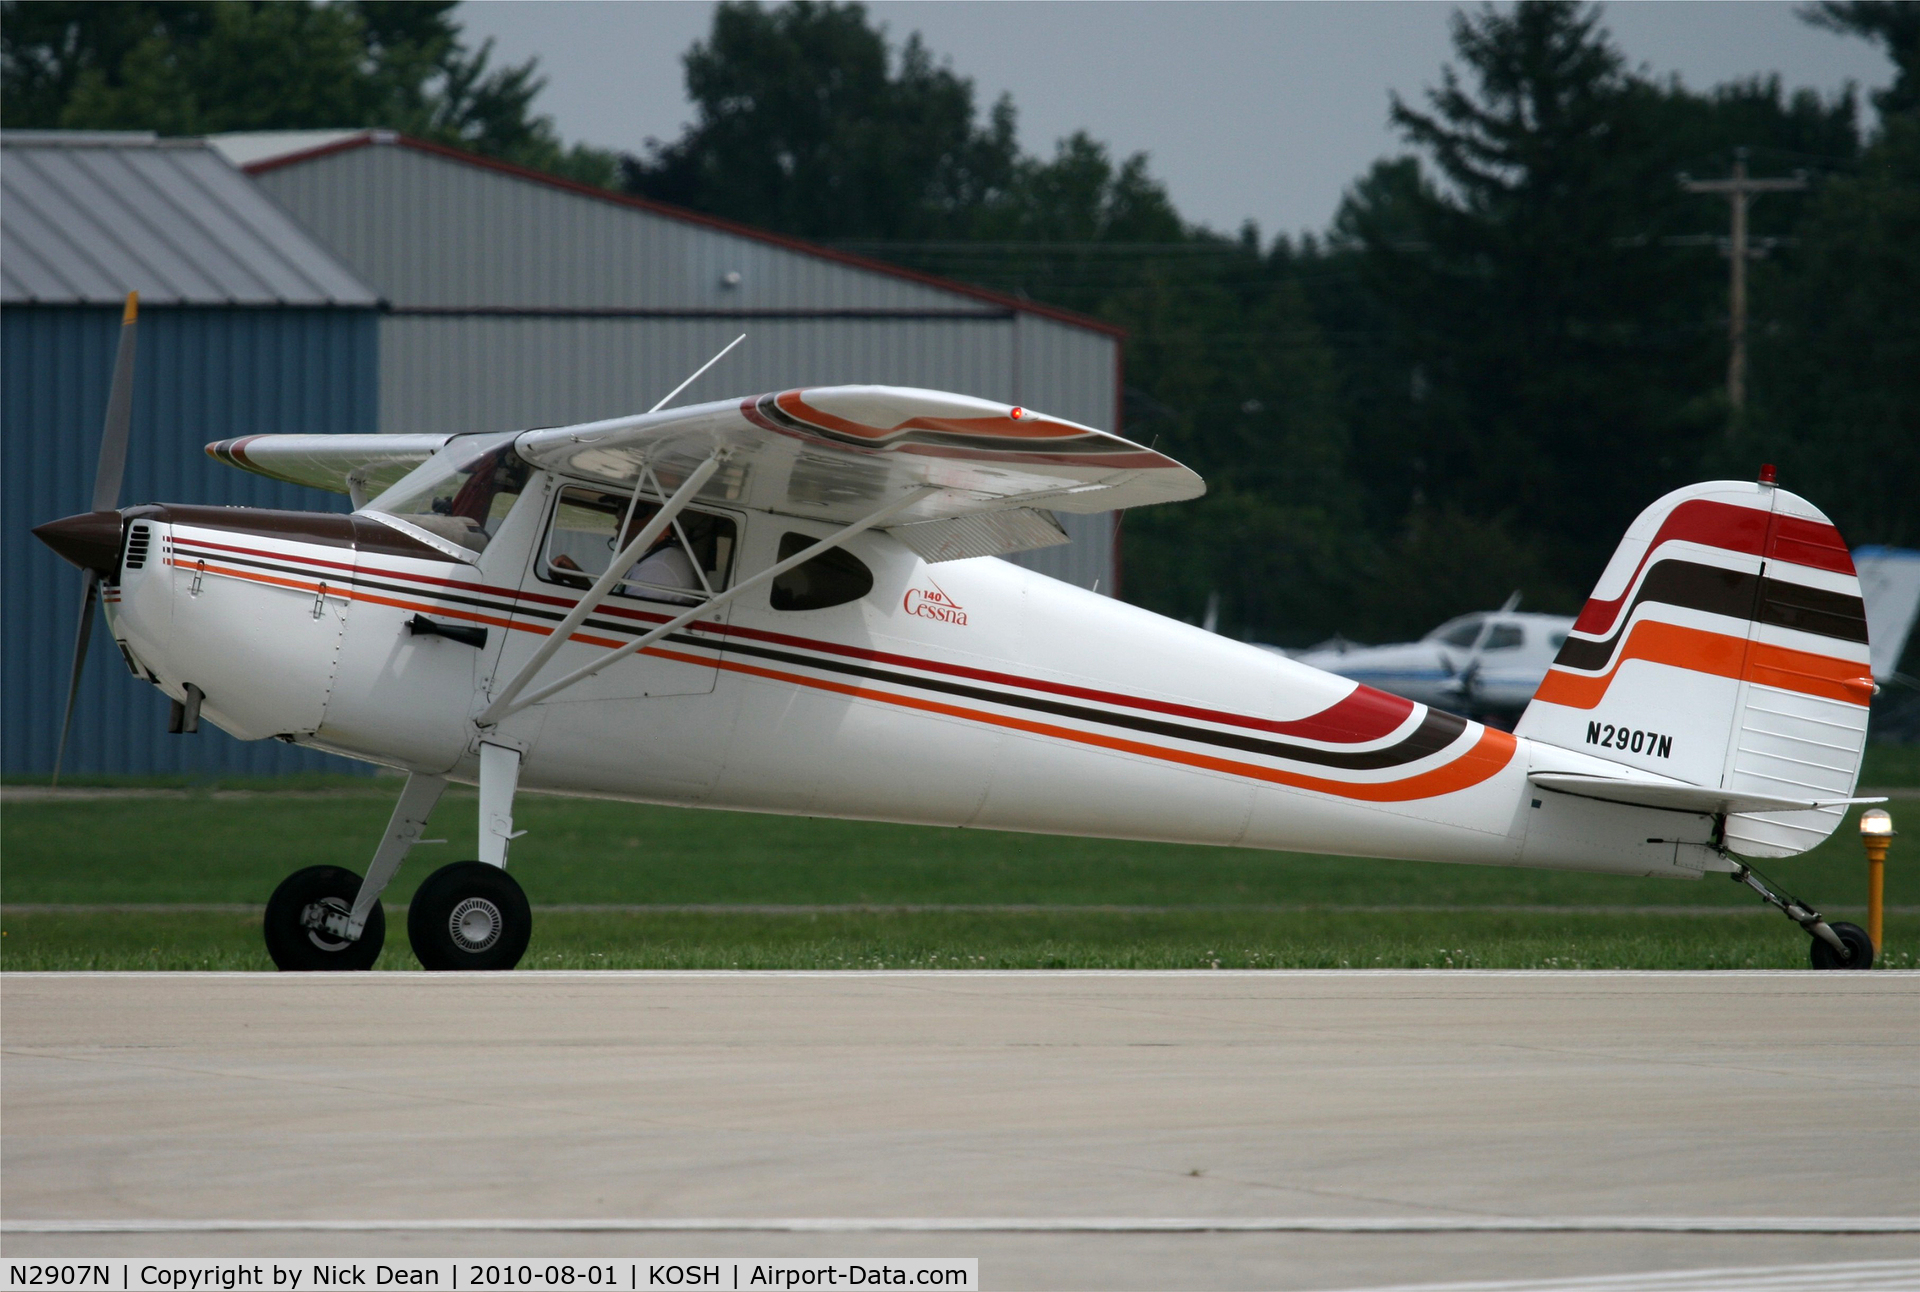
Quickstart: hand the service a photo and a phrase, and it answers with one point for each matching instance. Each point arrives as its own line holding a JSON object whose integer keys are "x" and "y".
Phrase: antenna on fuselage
{"x": 666, "y": 399}
{"x": 697, "y": 373}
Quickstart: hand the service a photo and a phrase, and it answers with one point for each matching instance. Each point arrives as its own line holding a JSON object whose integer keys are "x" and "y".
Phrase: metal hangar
{"x": 247, "y": 324}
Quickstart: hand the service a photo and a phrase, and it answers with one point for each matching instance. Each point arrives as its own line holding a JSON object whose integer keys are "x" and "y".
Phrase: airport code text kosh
{"x": 238, "y": 1273}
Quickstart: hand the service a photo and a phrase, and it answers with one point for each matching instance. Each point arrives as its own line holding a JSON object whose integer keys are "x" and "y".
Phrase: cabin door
{"x": 693, "y": 560}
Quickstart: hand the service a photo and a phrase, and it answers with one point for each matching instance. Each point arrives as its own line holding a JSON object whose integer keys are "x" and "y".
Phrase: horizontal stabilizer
{"x": 1703, "y": 799}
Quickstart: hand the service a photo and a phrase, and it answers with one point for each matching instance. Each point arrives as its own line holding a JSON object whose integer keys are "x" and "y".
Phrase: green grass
{"x": 233, "y": 845}
{"x": 1891, "y": 767}
{"x": 947, "y": 940}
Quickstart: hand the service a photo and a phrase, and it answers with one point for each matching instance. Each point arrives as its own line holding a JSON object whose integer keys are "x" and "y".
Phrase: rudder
{"x": 1725, "y": 645}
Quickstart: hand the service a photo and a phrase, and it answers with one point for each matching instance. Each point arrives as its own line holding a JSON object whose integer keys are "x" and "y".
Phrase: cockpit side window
{"x": 686, "y": 564}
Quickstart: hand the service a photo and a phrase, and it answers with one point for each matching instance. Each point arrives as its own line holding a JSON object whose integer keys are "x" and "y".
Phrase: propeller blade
{"x": 113, "y": 439}
{"x": 89, "y": 591}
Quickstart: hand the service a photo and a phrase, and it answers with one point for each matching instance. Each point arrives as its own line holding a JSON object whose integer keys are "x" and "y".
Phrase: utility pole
{"x": 1739, "y": 190}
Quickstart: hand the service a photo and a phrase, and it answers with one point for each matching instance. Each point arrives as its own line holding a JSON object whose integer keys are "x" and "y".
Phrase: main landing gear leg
{"x": 1835, "y": 946}
{"x": 326, "y": 917}
{"x": 472, "y": 914}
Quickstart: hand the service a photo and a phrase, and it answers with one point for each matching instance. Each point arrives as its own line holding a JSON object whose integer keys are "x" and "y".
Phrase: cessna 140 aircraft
{"x": 776, "y": 604}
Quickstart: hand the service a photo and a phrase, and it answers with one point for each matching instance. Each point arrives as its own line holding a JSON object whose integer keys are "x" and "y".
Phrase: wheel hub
{"x": 318, "y": 915}
{"x": 475, "y": 924}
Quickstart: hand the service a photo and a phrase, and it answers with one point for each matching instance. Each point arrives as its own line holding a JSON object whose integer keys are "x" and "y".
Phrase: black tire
{"x": 1825, "y": 957}
{"x": 297, "y": 948}
{"x": 469, "y": 916}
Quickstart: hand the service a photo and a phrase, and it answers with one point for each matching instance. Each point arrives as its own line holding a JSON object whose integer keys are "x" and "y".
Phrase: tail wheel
{"x": 469, "y": 916}
{"x": 1861, "y": 946}
{"x": 304, "y": 898}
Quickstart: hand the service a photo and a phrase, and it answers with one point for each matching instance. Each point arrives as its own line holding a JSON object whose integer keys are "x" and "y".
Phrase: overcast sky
{"x": 1260, "y": 110}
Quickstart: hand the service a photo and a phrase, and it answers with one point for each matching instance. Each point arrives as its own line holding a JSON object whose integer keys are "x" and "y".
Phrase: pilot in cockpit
{"x": 658, "y": 575}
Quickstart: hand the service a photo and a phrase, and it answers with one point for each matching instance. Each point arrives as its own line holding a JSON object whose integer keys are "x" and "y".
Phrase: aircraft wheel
{"x": 1825, "y": 957}
{"x": 469, "y": 916}
{"x": 296, "y": 947}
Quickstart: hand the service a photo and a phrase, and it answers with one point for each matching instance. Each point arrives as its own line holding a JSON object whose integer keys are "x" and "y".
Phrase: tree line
{"x": 1512, "y": 337}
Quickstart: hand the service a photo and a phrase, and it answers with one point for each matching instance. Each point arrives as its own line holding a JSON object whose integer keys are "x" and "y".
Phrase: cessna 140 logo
{"x": 933, "y": 604}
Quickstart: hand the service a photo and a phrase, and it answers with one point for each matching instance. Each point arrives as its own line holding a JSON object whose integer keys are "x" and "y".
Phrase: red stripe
{"x": 1731, "y": 528}
{"x": 1809, "y": 542}
{"x": 1723, "y": 525}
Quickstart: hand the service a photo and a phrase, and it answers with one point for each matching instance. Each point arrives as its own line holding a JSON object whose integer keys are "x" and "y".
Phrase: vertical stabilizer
{"x": 1726, "y": 646}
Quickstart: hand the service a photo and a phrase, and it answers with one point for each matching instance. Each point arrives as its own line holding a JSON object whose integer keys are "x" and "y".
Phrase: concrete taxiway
{"x": 1298, "y": 1130}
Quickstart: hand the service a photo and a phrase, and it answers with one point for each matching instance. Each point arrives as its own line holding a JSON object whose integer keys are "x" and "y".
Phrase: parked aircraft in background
{"x": 1890, "y": 583}
{"x": 776, "y": 604}
{"x": 1487, "y": 664}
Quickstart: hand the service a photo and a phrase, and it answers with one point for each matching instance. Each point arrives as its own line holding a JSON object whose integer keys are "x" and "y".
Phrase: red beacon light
{"x": 1767, "y": 474}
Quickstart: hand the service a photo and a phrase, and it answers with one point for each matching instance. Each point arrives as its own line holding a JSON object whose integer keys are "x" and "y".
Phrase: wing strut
{"x": 616, "y": 571}
{"x": 506, "y": 704}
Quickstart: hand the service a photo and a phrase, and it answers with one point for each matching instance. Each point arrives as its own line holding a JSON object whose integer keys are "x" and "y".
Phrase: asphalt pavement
{"x": 1096, "y": 1130}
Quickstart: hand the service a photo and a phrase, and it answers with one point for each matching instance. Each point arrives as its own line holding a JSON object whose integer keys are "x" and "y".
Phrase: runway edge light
{"x": 1876, "y": 832}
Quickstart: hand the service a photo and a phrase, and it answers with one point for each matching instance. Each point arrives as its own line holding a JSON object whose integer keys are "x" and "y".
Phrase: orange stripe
{"x": 1493, "y": 751}
{"x": 1716, "y": 654}
{"x": 1809, "y": 674}
{"x": 1489, "y": 754}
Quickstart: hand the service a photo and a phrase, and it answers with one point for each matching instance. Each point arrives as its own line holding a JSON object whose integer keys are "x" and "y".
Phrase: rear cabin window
{"x": 833, "y": 578}
{"x": 688, "y": 562}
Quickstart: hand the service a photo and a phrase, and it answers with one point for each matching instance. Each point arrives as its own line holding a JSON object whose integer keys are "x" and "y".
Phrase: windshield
{"x": 1463, "y": 631}
{"x": 461, "y": 493}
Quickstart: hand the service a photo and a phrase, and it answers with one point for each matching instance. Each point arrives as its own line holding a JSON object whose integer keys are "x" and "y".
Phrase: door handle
{"x": 465, "y": 634}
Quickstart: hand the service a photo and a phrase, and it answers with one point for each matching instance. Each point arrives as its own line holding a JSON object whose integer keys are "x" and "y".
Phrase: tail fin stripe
{"x": 1718, "y": 655}
{"x": 1732, "y": 594}
{"x": 1710, "y": 524}
{"x": 1806, "y": 542}
{"x": 1814, "y": 611}
{"x": 1731, "y": 528}
{"x": 1685, "y": 584}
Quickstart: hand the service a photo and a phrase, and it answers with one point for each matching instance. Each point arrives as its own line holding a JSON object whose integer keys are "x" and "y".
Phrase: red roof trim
{"x": 371, "y": 137}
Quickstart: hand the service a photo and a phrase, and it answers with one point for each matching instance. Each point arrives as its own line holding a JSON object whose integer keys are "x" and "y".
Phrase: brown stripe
{"x": 1734, "y": 594}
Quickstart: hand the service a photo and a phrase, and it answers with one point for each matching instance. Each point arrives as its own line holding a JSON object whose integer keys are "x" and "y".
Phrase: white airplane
{"x": 1483, "y": 664}
{"x": 816, "y": 633}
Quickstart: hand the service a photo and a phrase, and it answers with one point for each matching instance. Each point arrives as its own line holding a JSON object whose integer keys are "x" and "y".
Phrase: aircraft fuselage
{"x": 970, "y": 693}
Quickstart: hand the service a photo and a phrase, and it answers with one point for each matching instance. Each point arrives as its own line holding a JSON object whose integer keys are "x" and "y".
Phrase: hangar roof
{"x": 86, "y": 217}
{"x": 438, "y": 229}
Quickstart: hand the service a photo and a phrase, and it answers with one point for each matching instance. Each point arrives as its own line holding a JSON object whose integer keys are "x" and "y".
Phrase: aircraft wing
{"x": 337, "y": 463}
{"x": 839, "y": 453}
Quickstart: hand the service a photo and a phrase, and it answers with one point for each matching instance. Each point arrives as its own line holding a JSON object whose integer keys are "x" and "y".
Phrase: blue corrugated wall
{"x": 201, "y": 375}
